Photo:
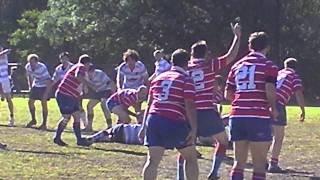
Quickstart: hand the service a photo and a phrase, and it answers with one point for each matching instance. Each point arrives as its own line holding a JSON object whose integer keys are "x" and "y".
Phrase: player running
{"x": 132, "y": 73}
{"x": 119, "y": 102}
{"x": 251, "y": 88}
{"x": 170, "y": 120}
{"x": 203, "y": 73}
{"x": 104, "y": 87}
{"x": 288, "y": 84}
{"x": 39, "y": 81}
{"x": 5, "y": 86}
{"x": 68, "y": 99}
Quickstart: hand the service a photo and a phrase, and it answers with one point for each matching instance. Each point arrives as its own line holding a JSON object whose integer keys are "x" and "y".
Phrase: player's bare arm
{"x": 30, "y": 80}
{"x": 300, "y": 101}
{"x": 4, "y": 52}
{"x": 192, "y": 118}
{"x": 49, "y": 85}
{"x": 234, "y": 48}
{"x": 272, "y": 99}
{"x": 146, "y": 112}
{"x": 85, "y": 81}
{"x": 119, "y": 80}
{"x": 229, "y": 95}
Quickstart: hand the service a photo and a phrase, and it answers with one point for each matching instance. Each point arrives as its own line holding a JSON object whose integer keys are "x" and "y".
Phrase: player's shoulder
{"x": 27, "y": 66}
{"x": 140, "y": 64}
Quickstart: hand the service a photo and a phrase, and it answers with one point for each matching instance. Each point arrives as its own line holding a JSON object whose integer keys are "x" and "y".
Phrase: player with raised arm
{"x": 5, "y": 86}
{"x": 68, "y": 99}
{"x": 104, "y": 88}
{"x": 161, "y": 65}
{"x": 251, "y": 87}
{"x": 288, "y": 84}
{"x": 132, "y": 73}
{"x": 203, "y": 72}
{"x": 39, "y": 81}
{"x": 170, "y": 120}
{"x": 119, "y": 102}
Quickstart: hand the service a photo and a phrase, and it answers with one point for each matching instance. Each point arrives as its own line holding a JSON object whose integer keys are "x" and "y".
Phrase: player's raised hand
{"x": 236, "y": 29}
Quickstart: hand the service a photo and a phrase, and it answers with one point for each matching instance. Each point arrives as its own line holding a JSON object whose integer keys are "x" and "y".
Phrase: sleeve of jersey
{"x": 189, "y": 89}
{"x": 271, "y": 73}
{"x": 231, "y": 83}
{"x": 45, "y": 73}
{"x": 80, "y": 71}
{"x": 219, "y": 64}
{"x": 27, "y": 69}
{"x": 297, "y": 84}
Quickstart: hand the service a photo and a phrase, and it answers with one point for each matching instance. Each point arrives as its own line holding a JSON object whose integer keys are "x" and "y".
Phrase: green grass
{"x": 32, "y": 155}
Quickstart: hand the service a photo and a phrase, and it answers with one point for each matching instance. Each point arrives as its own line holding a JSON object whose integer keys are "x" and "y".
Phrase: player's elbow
{"x": 229, "y": 95}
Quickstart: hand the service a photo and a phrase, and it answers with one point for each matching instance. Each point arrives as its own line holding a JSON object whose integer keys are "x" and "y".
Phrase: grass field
{"x": 32, "y": 155}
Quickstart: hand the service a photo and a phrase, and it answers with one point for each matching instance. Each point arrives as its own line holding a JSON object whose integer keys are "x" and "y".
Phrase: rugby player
{"x": 39, "y": 81}
{"x": 252, "y": 91}
{"x": 161, "y": 65}
{"x": 68, "y": 99}
{"x": 104, "y": 88}
{"x": 119, "y": 102}
{"x": 5, "y": 86}
{"x": 170, "y": 120}
{"x": 203, "y": 72}
{"x": 288, "y": 84}
{"x": 131, "y": 74}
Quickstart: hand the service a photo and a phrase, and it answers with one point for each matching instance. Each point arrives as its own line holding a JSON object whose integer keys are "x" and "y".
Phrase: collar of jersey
{"x": 179, "y": 69}
{"x": 257, "y": 54}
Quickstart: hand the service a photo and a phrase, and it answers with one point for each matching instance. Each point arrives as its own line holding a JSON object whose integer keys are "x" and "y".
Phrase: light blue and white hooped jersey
{"x": 40, "y": 74}
{"x": 4, "y": 68}
{"x": 101, "y": 80}
{"x": 161, "y": 66}
{"x": 132, "y": 79}
{"x": 60, "y": 72}
{"x": 131, "y": 132}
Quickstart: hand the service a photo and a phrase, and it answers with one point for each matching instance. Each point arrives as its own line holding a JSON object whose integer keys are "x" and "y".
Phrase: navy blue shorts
{"x": 209, "y": 123}
{"x": 282, "y": 118}
{"x": 164, "y": 132}
{"x": 37, "y": 93}
{"x": 99, "y": 95}
{"x": 111, "y": 104}
{"x": 67, "y": 104}
{"x": 250, "y": 129}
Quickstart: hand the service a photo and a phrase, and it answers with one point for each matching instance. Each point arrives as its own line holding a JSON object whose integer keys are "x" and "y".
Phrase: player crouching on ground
{"x": 120, "y": 101}
{"x": 120, "y": 133}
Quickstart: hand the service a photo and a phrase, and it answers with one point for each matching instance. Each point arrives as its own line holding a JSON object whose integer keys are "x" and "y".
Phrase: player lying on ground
{"x": 120, "y": 101}
{"x": 5, "y": 86}
{"x": 104, "y": 87}
{"x": 120, "y": 133}
{"x": 288, "y": 84}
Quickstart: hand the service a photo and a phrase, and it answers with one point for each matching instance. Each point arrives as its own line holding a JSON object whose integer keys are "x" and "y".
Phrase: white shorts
{"x": 6, "y": 86}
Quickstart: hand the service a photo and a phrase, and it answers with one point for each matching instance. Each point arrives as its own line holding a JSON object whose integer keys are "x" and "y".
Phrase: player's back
{"x": 249, "y": 77}
{"x": 288, "y": 81}
{"x": 203, "y": 74}
{"x": 169, "y": 90}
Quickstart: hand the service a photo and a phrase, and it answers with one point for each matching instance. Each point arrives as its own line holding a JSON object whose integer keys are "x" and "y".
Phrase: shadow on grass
{"x": 121, "y": 151}
{"x": 42, "y": 152}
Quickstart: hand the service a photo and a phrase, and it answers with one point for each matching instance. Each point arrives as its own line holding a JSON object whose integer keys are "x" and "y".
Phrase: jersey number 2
{"x": 245, "y": 78}
{"x": 198, "y": 77}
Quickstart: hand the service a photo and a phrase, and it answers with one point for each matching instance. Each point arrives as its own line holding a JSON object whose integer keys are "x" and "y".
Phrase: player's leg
{"x": 11, "y": 108}
{"x": 61, "y": 126}
{"x": 32, "y": 110}
{"x": 278, "y": 136}
{"x": 83, "y": 116}
{"x": 102, "y": 136}
{"x": 150, "y": 169}
{"x": 191, "y": 162}
{"x": 121, "y": 112}
{"x": 106, "y": 112}
{"x": 259, "y": 135}
{"x": 90, "y": 113}
{"x": 44, "y": 105}
{"x": 240, "y": 158}
{"x": 77, "y": 130}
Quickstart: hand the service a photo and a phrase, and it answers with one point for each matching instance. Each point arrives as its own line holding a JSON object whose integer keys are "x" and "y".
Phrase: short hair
{"x": 84, "y": 59}
{"x": 258, "y": 41}
{"x": 290, "y": 63}
{"x": 32, "y": 56}
{"x": 131, "y": 53}
{"x": 64, "y": 54}
{"x": 180, "y": 57}
{"x": 199, "y": 49}
{"x": 157, "y": 52}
